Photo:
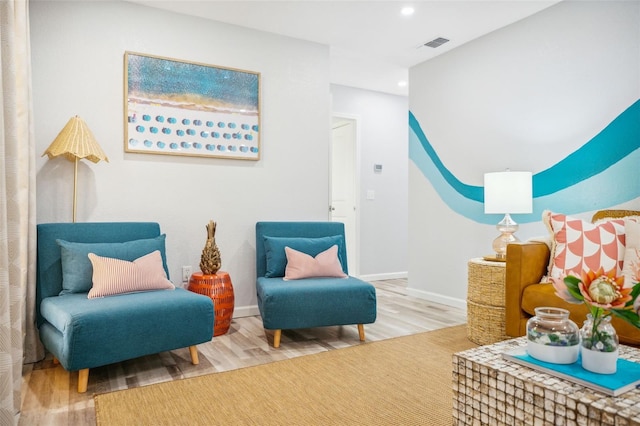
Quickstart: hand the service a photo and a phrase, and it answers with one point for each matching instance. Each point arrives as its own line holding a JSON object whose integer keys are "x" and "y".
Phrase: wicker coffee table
{"x": 489, "y": 390}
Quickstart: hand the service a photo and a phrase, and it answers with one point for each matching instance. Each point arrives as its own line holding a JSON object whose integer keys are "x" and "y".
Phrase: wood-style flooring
{"x": 50, "y": 397}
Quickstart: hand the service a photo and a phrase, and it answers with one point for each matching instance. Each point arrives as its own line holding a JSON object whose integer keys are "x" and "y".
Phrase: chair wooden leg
{"x": 83, "y": 380}
{"x": 361, "y": 332}
{"x": 193, "y": 351}
{"x": 276, "y": 338}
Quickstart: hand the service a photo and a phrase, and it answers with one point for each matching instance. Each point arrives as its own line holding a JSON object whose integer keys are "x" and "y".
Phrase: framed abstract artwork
{"x": 176, "y": 107}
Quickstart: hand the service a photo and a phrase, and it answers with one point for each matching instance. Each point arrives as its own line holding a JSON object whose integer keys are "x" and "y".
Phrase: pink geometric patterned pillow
{"x": 115, "y": 276}
{"x": 301, "y": 265}
{"x": 583, "y": 246}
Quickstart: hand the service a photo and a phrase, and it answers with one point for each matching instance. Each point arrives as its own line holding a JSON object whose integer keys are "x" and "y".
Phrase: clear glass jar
{"x": 599, "y": 342}
{"x": 552, "y": 336}
{"x": 602, "y": 337}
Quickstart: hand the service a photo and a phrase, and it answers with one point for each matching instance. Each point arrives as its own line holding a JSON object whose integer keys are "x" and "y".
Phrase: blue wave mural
{"x": 607, "y": 165}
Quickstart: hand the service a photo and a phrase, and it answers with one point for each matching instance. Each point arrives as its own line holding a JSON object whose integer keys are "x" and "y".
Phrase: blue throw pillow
{"x": 77, "y": 271}
{"x": 277, "y": 259}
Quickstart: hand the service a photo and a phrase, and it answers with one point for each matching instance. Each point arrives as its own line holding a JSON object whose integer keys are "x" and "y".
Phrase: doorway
{"x": 344, "y": 184}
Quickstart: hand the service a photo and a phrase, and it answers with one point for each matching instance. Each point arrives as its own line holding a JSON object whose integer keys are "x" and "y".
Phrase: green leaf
{"x": 573, "y": 287}
{"x": 571, "y": 280}
{"x": 576, "y": 294}
{"x": 634, "y": 294}
{"x": 628, "y": 315}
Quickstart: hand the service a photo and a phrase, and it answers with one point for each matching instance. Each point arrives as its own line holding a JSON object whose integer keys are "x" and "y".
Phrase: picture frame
{"x": 176, "y": 107}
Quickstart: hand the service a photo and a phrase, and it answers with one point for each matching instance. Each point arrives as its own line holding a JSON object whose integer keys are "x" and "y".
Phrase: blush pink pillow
{"x": 115, "y": 276}
{"x": 631, "y": 268}
{"x": 582, "y": 246}
{"x": 301, "y": 265}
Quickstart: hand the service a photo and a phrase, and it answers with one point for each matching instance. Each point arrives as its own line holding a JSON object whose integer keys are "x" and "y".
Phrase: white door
{"x": 344, "y": 184}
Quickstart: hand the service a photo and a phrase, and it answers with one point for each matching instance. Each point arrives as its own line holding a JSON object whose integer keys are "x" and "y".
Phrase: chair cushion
{"x": 315, "y": 302}
{"x": 277, "y": 259}
{"x": 114, "y": 276}
{"x": 87, "y": 333}
{"x": 77, "y": 270}
{"x": 301, "y": 265}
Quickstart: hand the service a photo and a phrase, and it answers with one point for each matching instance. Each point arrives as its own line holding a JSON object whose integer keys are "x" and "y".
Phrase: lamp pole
{"x": 75, "y": 188}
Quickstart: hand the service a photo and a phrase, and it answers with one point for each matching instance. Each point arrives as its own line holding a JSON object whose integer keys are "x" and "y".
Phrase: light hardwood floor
{"x": 49, "y": 395}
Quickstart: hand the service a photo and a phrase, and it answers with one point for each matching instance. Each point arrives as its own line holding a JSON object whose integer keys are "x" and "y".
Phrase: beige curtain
{"x": 18, "y": 340}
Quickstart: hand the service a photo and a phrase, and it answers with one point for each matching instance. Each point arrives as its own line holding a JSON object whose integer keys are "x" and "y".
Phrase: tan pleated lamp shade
{"x": 76, "y": 141}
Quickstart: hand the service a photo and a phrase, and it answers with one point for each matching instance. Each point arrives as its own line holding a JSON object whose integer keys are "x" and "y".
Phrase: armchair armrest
{"x": 526, "y": 264}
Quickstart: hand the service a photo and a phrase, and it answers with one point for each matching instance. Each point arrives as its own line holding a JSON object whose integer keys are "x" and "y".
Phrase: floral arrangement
{"x": 605, "y": 295}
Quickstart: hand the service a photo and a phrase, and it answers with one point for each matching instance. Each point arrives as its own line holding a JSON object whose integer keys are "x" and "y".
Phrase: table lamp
{"x": 506, "y": 193}
{"x": 75, "y": 141}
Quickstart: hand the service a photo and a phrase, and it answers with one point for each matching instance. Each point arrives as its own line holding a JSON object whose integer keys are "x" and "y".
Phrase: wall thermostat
{"x": 377, "y": 168}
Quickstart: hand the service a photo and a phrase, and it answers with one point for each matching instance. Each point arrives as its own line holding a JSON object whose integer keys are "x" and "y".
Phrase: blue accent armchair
{"x": 84, "y": 333}
{"x": 308, "y": 302}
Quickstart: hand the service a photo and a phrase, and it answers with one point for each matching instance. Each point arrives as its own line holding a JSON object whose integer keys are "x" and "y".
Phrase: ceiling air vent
{"x": 437, "y": 42}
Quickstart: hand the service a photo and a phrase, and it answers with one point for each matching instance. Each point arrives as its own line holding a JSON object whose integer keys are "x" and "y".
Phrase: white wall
{"x": 77, "y": 58}
{"x": 523, "y": 97}
{"x": 383, "y": 140}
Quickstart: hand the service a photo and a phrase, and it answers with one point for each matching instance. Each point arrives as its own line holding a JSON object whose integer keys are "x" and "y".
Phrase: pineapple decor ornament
{"x": 210, "y": 261}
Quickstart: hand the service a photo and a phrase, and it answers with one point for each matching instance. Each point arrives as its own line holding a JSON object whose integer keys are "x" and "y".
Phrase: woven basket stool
{"x": 486, "y": 302}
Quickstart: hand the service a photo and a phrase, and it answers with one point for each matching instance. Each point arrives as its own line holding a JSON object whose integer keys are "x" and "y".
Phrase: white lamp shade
{"x": 508, "y": 192}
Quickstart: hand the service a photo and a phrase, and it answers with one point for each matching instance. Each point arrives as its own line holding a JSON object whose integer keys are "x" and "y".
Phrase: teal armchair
{"x": 308, "y": 302}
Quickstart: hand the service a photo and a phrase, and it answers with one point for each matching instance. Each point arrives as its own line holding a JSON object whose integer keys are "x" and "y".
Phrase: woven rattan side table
{"x": 486, "y": 301}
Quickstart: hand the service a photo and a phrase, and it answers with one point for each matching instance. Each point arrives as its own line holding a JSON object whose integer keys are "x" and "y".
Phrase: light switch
{"x": 371, "y": 194}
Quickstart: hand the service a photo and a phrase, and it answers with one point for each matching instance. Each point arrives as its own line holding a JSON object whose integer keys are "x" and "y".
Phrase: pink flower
{"x": 603, "y": 293}
{"x": 604, "y": 290}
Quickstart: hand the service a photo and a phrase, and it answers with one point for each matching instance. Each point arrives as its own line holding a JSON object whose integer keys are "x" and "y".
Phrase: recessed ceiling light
{"x": 402, "y": 83}
{"x": 407, "y": 11}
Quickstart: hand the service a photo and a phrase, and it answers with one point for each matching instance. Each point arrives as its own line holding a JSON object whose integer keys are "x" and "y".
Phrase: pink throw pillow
{"x": 115, "y": 276}
{"x": 301, "y": 265}
{"x": 583, "y": 246}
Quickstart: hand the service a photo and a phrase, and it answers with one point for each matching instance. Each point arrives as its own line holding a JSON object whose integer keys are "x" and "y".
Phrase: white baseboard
{"x": 245, "y": 311}
{"x": 438, "y": 298}
{"x": 252, "y": 310}
{"x": 388, "y": 276}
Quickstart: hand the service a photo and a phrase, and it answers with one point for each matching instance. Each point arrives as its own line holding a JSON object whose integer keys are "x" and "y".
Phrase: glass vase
{"x": 552, "y": 336}
{"x": 599, "y": 345}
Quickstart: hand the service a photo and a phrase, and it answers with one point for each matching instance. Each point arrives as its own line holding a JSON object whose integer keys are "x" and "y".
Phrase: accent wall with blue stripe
{"x": 603, "y": 172}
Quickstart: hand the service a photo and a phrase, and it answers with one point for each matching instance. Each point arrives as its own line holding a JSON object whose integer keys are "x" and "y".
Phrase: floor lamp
{"x": 505, "y": 193}
{"x": 75, "y": 141}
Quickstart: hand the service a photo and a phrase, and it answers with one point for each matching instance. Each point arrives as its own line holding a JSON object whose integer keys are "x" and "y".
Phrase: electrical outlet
{"x": 186, "y": 273}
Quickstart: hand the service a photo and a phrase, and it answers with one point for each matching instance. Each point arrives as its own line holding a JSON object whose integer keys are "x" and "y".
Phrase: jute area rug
{"x": 400, "y": 381}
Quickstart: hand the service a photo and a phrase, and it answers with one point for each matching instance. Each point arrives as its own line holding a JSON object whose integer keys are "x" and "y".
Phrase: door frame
{"x": 356, "y": 244}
